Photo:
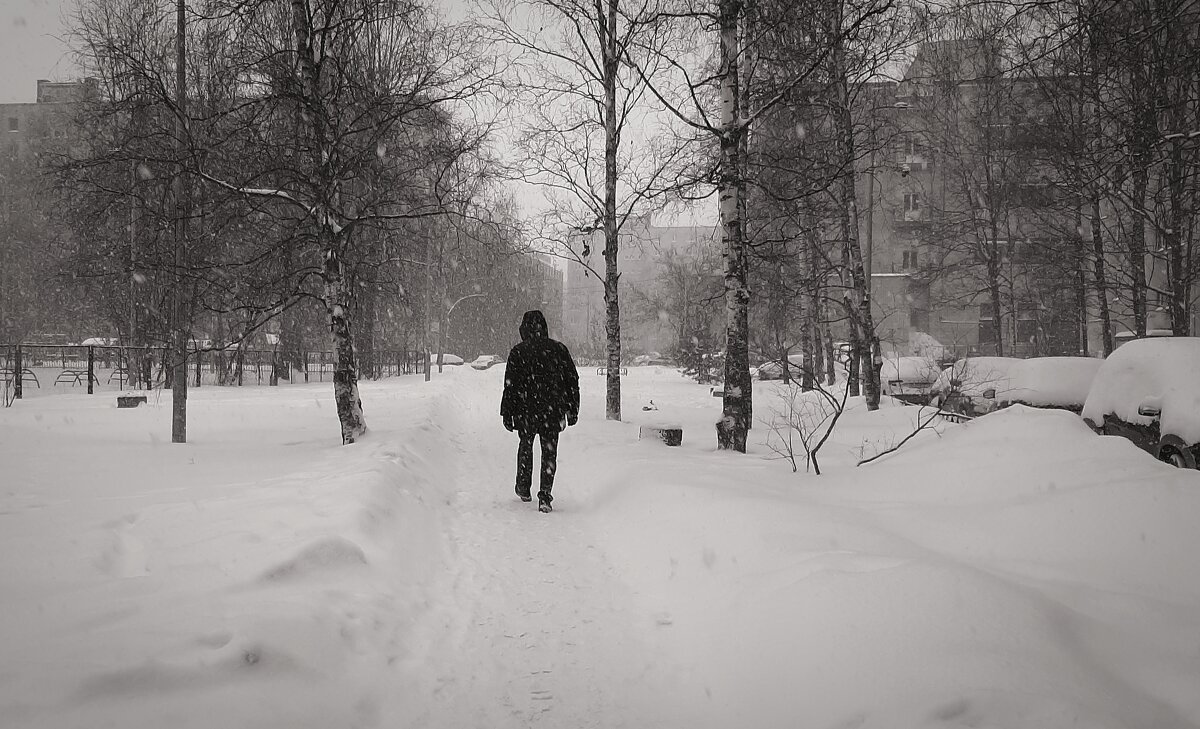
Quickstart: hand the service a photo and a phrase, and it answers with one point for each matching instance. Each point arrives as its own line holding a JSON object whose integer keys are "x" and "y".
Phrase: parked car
{"x": 1051, "y": 382}
{"x": 484, "y": 361}
{"x": 99, "y": 342}
{"x": 909, "y": 379}
{"x": 650, "y": 359}
{"x": 447, "y": 359}
{"x": 1125, "y": 337}
{"x": 1149, "y": 392}
{"x": 973, "y": 386}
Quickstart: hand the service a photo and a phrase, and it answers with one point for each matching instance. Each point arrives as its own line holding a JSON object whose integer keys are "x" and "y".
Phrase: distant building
{"x": 24, "y": 127}
{"x": 936, "y": 221}
{"x": 29, "y": 304}
{"x": 967, "y": 171}
{"x": 643, "y": 247}
{"x": 542, "y": 285}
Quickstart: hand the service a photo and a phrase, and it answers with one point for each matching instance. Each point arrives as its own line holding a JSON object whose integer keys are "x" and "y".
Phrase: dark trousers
{"x": 525, "y": 462}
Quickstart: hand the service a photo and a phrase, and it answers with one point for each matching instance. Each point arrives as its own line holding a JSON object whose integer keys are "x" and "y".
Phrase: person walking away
{"x": 541, "y": 398}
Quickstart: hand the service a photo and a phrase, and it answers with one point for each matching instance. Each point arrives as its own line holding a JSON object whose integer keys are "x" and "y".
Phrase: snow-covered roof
{"x": 1052, "y": 381}
{"x": 1163, "y": 370}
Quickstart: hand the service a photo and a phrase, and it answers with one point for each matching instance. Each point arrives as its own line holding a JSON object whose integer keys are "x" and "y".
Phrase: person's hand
{"x": 562, "y": 423}
{"x": 572, "y": 418}
{"x": 509, "y": 425}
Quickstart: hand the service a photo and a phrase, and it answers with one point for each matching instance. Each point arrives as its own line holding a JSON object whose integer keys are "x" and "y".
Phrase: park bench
{"x": 75, "y": 376}
{"x": 26, "y": 375}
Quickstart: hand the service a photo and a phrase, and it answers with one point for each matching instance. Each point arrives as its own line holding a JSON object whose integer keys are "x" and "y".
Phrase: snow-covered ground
{"x": 1017, "y": 571}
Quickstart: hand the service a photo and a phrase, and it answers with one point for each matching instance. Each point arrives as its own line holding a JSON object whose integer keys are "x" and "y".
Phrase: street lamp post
{"x": 445, "y": 323}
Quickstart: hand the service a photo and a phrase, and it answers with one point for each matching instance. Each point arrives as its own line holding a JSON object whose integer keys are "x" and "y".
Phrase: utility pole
{"x": 179, "y": 363}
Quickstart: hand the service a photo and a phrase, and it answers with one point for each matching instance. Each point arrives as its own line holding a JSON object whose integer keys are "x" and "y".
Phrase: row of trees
{"x": 338, "y": 152}
{"x": 639, "y": 102}
{"x": 330, "y": 163}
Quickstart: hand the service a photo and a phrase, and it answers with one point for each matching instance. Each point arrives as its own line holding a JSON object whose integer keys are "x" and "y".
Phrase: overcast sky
{"x": 31, "y": 46}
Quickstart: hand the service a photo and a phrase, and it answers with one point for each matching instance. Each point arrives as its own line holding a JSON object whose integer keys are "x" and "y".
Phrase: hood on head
{"x": 533, "y": 324}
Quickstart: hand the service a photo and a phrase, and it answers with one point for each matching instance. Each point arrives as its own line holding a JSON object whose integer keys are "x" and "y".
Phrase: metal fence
{"x": 57, "y": 367}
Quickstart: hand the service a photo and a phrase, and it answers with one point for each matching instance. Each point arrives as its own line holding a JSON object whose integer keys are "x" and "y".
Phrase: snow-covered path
{"x": 530, "y": 603}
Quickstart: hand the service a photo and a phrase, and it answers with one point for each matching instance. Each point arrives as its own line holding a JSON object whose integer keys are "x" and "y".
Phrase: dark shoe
{"x": 544, "y": 507}
{"x": 524, "y": 494}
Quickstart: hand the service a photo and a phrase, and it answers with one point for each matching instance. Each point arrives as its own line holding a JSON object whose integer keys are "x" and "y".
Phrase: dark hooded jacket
{"x": 541, "y": 383}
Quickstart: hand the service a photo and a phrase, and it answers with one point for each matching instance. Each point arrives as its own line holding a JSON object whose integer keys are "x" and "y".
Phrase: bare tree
{"x": 581, "y": 138}
{"x": 321, "y": 138}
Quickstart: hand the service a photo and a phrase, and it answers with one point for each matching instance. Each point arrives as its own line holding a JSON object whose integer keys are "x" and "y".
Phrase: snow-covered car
{"x": 447, "y": 359}
{"x": 484, "y": 361}
{"x": 773, "y": 369}
{"x": 973, "y": 386}
{"x": 908, "y": 379}
{"x": 1051, "y": 382}
{"x": 651, "y": 359}
{"x": 1149, "y": 392}
{"x": 99, "y": 342}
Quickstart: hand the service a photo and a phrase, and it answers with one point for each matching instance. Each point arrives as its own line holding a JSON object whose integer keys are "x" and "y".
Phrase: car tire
{"x": 1177, "y": 457}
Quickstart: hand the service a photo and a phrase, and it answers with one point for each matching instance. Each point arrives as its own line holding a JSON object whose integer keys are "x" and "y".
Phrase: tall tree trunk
{"x": 1079, "y": 282}
{"x": 1180, "y": 276}
{"x": 814, "y": 355}
{"x": 1100, "y": 278}
{"x": 179, "y": 364}
{"x": 736, "y": 404}
{"x": 995, "y": 298}
{"x": 338, "y": 302}
{"x": 338, "y": 298}
{"x": 1137, "y": 250}
{"x": 369, "y": 364}
{"x": 1099, "y": 261}
{"x": 612, "y": 141}
{"x": 864, "y": 317}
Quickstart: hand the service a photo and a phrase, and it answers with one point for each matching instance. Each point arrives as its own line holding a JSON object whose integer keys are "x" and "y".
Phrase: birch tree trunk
{"x": 736, "y": 404}
{"x": 612, "y": 141}
{"x": 864, "y": 317}
{"x": 345, "y": 371}
{"x": 330, "y": 237}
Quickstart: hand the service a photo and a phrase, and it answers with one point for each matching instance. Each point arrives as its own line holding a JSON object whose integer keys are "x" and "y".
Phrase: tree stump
{"x": 671, "y": 435}
{"x": 130, "y": 401}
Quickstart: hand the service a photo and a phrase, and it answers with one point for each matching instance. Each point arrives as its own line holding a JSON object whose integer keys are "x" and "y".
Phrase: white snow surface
{"x": 976, "y": 375}
{"x": 1016, "y": 571}
{"x": 1052, "y": 381}
{"x": 1166, "y": 368}
{"x": 909, "y": 369}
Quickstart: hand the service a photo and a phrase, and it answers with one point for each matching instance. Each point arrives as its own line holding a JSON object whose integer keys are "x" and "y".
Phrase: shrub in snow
{"x": 975, "y": 384}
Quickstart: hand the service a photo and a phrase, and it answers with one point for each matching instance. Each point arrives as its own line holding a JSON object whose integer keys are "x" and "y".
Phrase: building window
{"x": 14, "y": 124}
{"x": 986, "y": 333}
{"x": 912, "y": 202}
{"x": 910, "y": 259}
